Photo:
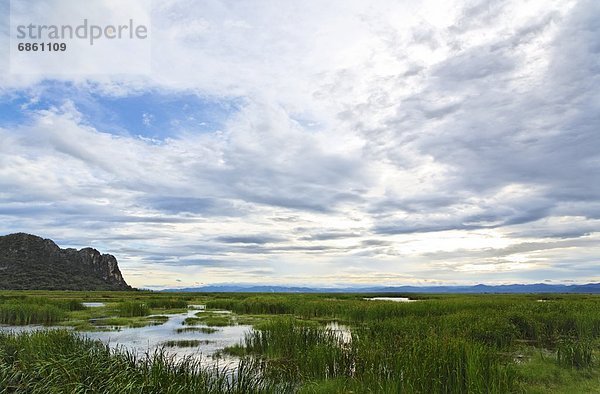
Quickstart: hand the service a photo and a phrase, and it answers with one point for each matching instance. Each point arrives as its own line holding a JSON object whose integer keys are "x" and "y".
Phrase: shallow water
{"x": 93, "y": 304}
{"x": 30, "y": 328}
{"x": 342, "y": 330}
{"x": 395, "y": 299}
{"x": 147, "y": 339}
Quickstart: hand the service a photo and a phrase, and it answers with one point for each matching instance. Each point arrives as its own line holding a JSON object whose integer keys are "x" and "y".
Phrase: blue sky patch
{"x": 154, "y": 114}
{"x": 11, "y": 112}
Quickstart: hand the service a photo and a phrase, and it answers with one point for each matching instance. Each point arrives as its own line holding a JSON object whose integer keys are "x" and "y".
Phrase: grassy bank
{"x": 58, "y": 361}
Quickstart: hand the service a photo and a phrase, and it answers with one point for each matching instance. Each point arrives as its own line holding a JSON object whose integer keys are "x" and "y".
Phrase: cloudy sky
{"x": 322, "y": 143}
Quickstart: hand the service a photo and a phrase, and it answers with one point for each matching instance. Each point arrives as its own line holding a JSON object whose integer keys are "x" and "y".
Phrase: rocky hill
{"x": 31, "y": 262}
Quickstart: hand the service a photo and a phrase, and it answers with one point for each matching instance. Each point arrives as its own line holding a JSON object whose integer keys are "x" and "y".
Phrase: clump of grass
{"x": 158, "y": 319}
{"x": 185, "y": 343}
{"x": 191, "y": 321}
{"x": 23, "y": 313}
{"x": 543, "y": 374}
{"x": 167, "y": 303}
{"x": 131, "y": 322}
{"x": 210, "y": 320}
{"x": 489, "y": 330}
{"x": 295, "y": 350}
{"x": 238, "y": 350}
{"x": 133, "y": 309}
{"x": 204, "y": 330}
{"x": 217, "y": 321}
{"x": 66, "y": 304}
{"x": 36, "y": 310}
{"x": 574, "y": 354}
{"x": 256, "y": 304}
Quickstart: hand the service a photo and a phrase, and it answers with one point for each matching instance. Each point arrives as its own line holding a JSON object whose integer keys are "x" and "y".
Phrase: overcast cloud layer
{"x": 324, "y": 143}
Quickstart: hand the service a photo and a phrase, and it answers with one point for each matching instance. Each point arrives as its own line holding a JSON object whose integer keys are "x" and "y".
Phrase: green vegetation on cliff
{"x": 28, "y": 262}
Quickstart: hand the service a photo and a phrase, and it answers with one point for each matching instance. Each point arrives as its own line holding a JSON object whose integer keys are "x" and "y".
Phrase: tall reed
{"x": 58, "y": 361}
{"x": 15, "y": 313}
{"x": 133, "y": 309}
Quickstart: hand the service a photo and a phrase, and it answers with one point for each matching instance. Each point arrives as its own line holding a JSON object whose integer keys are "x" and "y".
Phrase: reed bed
{"x": 299, "y": 352}
{"x": 442, "y": 344}
{"x": 575, "y": 354}
{"x": 24, "y": 310}
{"x": 204, "y": 330}
{"x": 167, "y": 303}
{"x": 185, "y": 343}
{"x": 58, "y": 361}
{"x": 498, "y": 320}
{"x": 133, "y": 309}
{"x": 461, "y": 344}
{"x": 23, "y": 314}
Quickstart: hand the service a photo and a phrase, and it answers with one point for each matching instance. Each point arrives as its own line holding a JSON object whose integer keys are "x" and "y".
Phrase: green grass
{"x": 24, "y": 314}
{"x": 133, "y": 309}
{"x": 457, "y": 343}
{"x": 297, "y": 351}
{"x": 131, "y": 322}
{"x": 191, "y": 321}
{"x": 210, "y": 320}
{"x": 35, "y": 310}
{"x": 59, "y": 362}
{"x": 204, "y": 330}
{"x": 185, "y": 343}
{"x": 167, "y": 303}
{"x": 216, "y": 319}
{"x": 575, "y": 354}
{"x": 443, "y": 344}
{"x": 542, "y": 374}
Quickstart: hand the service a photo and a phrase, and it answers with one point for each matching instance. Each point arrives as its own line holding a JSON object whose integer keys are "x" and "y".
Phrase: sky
{"x": 322, "y": 143}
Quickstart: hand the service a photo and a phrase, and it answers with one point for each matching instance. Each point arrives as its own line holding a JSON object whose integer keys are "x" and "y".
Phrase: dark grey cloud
{"x": 376, "y": 242}
{"x": 286, "y": 219}
{"x": 473, "y": 64}
{"x": 265, "y": 249}
{"x": 490, "y": 219}
{"x": 401, "y": 228}
{"x": 249, "y": 239}
{"x": 324, "y": 236}
{"x": 519, "y": 248}
{"x": 552, "y": 233}
{"x": 205, "y": 262}
{"x": 205, "y": 206}
{"x": 315, "y": 194}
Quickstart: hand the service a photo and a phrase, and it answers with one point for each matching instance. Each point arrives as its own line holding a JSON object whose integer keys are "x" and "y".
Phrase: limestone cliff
{"x": 31, "y": 262}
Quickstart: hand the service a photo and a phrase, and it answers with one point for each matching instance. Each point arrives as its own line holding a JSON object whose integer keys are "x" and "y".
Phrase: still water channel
{"x": 148, "y": 339}
{"x": 207, "y": 346}
{"x": 142, "y": 340}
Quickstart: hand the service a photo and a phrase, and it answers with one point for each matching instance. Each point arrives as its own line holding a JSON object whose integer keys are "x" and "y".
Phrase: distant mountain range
{"x": 477, "y": 289}
{"x": 29, "y": 262}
